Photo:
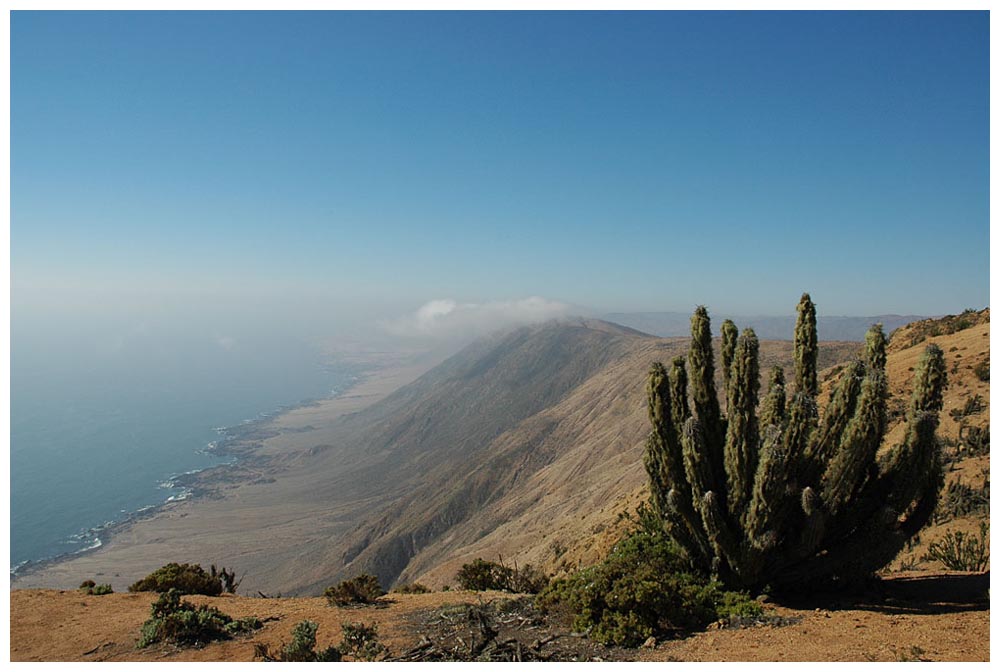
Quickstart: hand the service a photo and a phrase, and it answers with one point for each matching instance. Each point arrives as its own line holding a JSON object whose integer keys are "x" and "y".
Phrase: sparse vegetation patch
{"x": 362, "y": 589}
{"x": 645, "y": 588}
{"x": 88, "y": 587}
{"x": 962, "y": 551}
{"x": 187, "y": 579}
{"x": 482, "y": 574}
{"x": 180, "y": 622}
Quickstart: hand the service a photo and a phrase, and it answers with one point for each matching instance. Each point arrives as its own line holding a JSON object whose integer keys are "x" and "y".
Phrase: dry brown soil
{"x": 913, "y": 616}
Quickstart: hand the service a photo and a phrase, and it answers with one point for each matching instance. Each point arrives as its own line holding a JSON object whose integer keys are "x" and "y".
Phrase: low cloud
{"x": 447, "y": 319}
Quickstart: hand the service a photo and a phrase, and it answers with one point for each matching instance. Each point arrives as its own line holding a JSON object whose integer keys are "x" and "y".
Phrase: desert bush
{"x": 88, "y": 587}
{"x": 972, "y": 405}
{"x": 180, "y": 622}
{"x": 302, "y": 648}
{"x": 961, "y": 551}
{"x": 362, "y": 589}
{"x": 528, "y": 579}
{"x": 982, "y": 370}
{"x": 974, "y": 440}
{"x": 184, "y": 578}
{"x": 789, "y": 497}
{"x": 645, "y": 587}
{"x": 482, "y": 574}
{"x": 227, "y": 577}
{"x": 411, "y": 589}
{"x": 960, "y": 500}
{"x": 361, "y": 641}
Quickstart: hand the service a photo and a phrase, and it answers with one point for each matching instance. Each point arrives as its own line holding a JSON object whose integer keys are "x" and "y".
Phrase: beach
{"x": 248, "y": 514}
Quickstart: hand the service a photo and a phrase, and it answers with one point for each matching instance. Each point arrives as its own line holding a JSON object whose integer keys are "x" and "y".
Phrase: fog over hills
{"x": 771, "y": 327}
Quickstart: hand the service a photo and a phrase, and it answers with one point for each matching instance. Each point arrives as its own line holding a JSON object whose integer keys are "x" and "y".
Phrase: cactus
{"x": 785, "y": 496}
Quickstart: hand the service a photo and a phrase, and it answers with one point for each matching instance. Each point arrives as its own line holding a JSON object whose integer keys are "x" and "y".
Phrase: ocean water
{"x": 97, "y": 432}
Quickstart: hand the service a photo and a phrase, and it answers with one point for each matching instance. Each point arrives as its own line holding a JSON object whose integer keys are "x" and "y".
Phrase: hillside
{"x": 405, "y": 489}
{"x": 526, "y": 445}
{"x": 481, "y": 443}
{"x": 768, "y": 327}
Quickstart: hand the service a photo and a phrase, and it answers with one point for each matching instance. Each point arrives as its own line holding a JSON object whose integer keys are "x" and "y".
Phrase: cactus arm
{"x": 742, "y": 435}
{"x": 706, "y": 403}
{"x": 728, "y": 350}
{"x": 772, "y": 409}
{"x": 806, "y": 351}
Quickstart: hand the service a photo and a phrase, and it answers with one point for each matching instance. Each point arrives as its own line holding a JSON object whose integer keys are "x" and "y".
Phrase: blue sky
{"x": 617, "y": 161}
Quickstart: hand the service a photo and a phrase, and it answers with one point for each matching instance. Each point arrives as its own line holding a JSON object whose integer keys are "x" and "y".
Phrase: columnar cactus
{"x": 787, "y": 496}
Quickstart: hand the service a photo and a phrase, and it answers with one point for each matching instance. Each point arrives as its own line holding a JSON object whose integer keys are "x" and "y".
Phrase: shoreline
{"x": 246, "y": 446}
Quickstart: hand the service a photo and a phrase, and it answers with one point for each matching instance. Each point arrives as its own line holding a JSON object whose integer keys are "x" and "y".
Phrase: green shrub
{"x": 645, "y": 587}
{"x": 302, "y": 648}
{"x": 363, "y": 589}
{"x": 411, "y": 589}
{"x": 88, "y": 587}
{"x": 484, "y": 575}
{"x": 179, "y": 622}
{"x": 962, "y": 552}
{"x": 528, "y": 579}
{"x": 184, "y": 578}
{"x": 982, "y": 370}
{"x": 361, "y": 642}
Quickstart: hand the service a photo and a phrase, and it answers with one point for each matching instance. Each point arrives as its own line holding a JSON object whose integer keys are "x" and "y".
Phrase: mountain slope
{"x": 769, "y": 327}
{"x": 283, "y": 515}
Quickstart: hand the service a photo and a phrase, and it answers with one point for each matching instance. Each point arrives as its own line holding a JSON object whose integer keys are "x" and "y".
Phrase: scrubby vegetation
{"x": 786, "y": 496}
{"x": 482, "y": 574}
{"x": 302, "y": 648}
{"x": 359, "y": 641}
{"x": 645, "y": 587}
{"x": 961, "y": 551}
{"x": 960, "y": 500}
{"x": 362, "y": 589}
{"x": 88, "y": 587}
{"x": 411, "y": 589}
{"x": 187, "y": 580}
{"x": 918, "y": 332}
{"x": 180, "y": 622}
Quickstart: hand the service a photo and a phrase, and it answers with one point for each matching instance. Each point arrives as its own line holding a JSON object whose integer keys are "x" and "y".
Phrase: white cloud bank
{"x": 446, "y": 318}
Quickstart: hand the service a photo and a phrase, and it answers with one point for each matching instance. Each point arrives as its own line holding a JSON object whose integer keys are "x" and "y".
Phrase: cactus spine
{"x": 786, "y": 497}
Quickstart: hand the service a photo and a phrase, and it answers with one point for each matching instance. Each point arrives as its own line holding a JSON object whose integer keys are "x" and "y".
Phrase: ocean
{"x": 98, "y": 434}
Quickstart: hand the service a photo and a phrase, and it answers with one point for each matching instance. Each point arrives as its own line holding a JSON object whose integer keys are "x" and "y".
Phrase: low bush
{"x": 645, "y": 587}
{"x": 961, "y": 551}
{"x": 411, "y": 589}
{"x": 361, "y": 642}
{"x": 982, "y": 370}
{"x": 363, "y": 589}
{"x": 88, "y": 587}
{"x": 184, "y": 578}
{"x": 959, "y": 500}
{"x": 485, "y": 575}
{"x": 973, "y": 440}
{"x": 179, "y": 622}
{"x": 302, "y": 648}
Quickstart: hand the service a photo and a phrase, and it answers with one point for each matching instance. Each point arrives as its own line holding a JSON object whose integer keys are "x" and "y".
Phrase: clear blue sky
{"x": 621, "y": 161}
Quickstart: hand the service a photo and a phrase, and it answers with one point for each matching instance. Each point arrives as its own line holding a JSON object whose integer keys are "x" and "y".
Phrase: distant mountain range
{"x": 768, "y": 327}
